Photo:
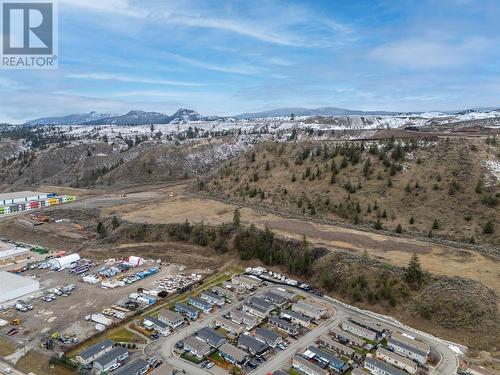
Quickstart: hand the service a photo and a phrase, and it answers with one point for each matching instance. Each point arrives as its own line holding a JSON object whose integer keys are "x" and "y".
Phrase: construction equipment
{"x": 16, "y": 322}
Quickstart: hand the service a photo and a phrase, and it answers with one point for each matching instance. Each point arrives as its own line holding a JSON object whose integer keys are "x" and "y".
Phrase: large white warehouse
{"x": 13, "y": 286}
{"x": 64, "y": 262}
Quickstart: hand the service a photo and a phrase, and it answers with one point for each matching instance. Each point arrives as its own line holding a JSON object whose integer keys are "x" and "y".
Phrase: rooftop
{"x": 15, "y": 250}
{"x": 267, "y": 334}
{"x": 170, "y": 315}
{"x": 133, "y": 367}
{"x": 210, "y": 335}
{"x": 231, "y": 350}
{"x": 20, "y": 194}
{"x": 388, "y": 369}
{"x": 252, "y": 343}
{"x": 94, "y": 349}
{"x": 110, "y": 356}
{"x": 196, "y": 344}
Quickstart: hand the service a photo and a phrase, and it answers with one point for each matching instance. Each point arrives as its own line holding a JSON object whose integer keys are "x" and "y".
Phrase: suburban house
{"x": 137, "y": 367}
{"x": 396, "y": 360}
{"x": 307, "y": 367}
{"x": 196, "y": 347}
{"x": 189, "y": 311}
{"x": 200, "y": 304}
{"x": 248, "y": 281}
{"x": 212, "y": 298}
{"x": 275, "y": 298}
{"x": 296, "y": 318}
{"x": 255, "y": 310}
{"x": 251, "y": 344}
{"x": 210, "y": 336}
{"x": 309, "y": 309}
{"x": 94, "y": 352}
{"x": 233, "y": 354}
{"x": 334, "y": 346}
{"x": 112, "y": 358}
{"x": 226, "y": 293}
{"x": 377, "y": 367}
{"x": 171, "y": 318}
{"x": 358, "y": 330}
{"x": 269, "y": 337}
{"x": 229, "y": 325}
{"x": 241, "y": 317}
{"x": 407, "y": 347}
{"x": 284, "y": 325}
{"x": 334, "y": 363}
{"x": 347, "y": 338}
{"x": 156, "y": 324}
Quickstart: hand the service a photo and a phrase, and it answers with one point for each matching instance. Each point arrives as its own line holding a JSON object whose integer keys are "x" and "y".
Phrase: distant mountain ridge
{"x": 130, "y": 118}
{"x": 324, "y": 111}
{"x": 184, "y": 115}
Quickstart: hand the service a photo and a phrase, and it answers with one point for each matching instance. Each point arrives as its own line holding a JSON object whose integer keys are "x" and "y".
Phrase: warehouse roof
{"x": 13, "y": 252}
{"x": 20, "y": 194}
{"x": 11, "y": 281}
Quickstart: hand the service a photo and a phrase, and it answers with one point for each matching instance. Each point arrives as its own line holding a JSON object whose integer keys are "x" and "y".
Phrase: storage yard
{"x": 68, "y": 299}
{"x": 30, "y": 200}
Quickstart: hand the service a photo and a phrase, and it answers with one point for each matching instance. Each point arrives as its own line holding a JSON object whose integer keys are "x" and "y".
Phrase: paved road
{"x": 4, "y": 365}
{"x": 447, "y": 366}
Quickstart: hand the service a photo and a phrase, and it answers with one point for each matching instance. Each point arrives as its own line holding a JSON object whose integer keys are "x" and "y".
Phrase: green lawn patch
{"x": 191, "y": 358}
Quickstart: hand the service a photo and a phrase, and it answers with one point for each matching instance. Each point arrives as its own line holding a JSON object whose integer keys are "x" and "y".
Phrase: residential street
{"x": 446, "y": 366}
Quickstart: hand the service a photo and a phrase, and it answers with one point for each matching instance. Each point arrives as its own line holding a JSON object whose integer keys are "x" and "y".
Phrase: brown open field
{"x": 178, "y": 206}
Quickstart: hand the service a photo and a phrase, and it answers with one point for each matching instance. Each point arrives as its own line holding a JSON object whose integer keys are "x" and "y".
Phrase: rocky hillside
{"x": 440, "y": 188}
{"x": 115, "y": 163}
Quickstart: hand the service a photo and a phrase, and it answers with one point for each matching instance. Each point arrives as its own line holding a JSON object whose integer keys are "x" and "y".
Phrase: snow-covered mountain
{"x": 183, "y": 115}
{"x": 74, "y": 119}
{"x": 325, "y": 111}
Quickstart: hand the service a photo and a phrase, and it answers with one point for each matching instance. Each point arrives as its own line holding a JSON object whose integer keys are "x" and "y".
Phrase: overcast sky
{"x": 227, "y": 57}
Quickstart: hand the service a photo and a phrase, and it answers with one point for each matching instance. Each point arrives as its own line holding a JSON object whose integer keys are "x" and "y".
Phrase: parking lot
{"x": 58, "y": 314}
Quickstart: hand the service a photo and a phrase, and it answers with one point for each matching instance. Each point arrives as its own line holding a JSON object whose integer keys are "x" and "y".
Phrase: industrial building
{"x": 15, "y": 286}
{"x": 23, "y": 197}
{"x": 10, "y": 253}
{"x": 58, "y": 264}
{"x": 29, "y": 200}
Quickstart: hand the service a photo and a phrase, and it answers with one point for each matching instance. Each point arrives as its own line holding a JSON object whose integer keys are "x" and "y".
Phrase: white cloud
{"x": 423, "y": 53}
{"x": 129, "y": 79}
{"x": 237, "y": 69}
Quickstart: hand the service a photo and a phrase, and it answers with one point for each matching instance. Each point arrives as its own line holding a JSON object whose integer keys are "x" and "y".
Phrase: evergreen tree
{"x": 488, "y": 228}
{"x": 399, "y": 229}
{"x": 435, "y": 225}
{"x": 237, "y": 218}
{"x": 414, "y": 275}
